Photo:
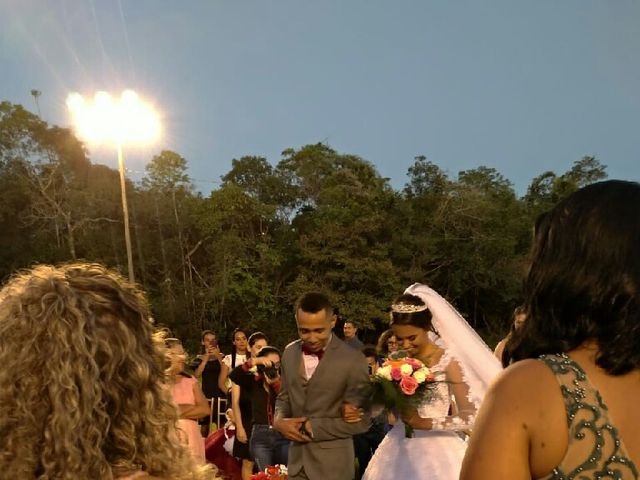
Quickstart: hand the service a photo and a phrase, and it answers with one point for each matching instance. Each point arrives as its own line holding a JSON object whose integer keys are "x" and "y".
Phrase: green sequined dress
{"x": 595, "y": 450}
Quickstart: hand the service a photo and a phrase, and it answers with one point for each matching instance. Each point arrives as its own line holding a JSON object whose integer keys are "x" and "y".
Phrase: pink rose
{"x": 396, "y": 373}
{"x": 413, "y": 362}
{"x": 408, "y": 385}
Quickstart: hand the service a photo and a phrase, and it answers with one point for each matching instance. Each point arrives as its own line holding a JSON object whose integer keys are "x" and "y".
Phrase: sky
{"x": 520, "y": 86}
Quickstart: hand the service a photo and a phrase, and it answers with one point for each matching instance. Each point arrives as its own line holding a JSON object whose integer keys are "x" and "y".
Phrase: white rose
{"x": 421, "y": 374}
{"x": 406, "y": 370}
{"x": 384, "y": 372}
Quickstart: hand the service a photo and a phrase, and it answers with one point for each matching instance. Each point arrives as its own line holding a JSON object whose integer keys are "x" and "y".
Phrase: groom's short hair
{"x": 313, "y": 302}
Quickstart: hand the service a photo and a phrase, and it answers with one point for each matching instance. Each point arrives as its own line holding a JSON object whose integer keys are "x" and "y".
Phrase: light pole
{"x": 35, "y": 94}
{"x": 126, "y": 121}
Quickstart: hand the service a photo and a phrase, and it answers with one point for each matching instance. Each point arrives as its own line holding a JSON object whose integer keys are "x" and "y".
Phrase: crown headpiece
{"x": 407, "y": 308}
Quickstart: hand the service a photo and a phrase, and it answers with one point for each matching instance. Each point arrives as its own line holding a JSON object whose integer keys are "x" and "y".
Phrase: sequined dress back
{"x": 595, "y": 449}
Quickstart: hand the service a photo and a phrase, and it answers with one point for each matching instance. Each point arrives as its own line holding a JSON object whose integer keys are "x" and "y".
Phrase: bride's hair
{"x": 584, "y": 279}
{"x": 409, "y": 309}
{"x": 82, "y": 380}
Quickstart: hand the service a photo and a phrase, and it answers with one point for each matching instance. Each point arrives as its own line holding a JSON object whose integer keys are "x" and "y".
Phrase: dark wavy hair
{"x": 255, "y": 336}
{"x": 233, "y": 337}
{"x": 382, "y": 347}
{"x": 266, "y": 350}
{"x": 584, "y": 279}
{"x": 420, "y": 319}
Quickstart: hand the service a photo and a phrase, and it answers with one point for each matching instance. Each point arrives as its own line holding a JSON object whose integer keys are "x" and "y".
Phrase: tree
{"x": 548, "y": 188}
{"x": 342, "y": 230}
{"x": 170, "y": 189}
{"x": 55, "y": 167}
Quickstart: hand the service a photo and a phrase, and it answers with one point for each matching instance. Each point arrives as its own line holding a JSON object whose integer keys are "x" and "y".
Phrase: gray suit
{"x": 339, "y": 377}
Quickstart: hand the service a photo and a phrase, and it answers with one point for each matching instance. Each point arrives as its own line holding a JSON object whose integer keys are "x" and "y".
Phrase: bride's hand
{"x": 416, "y": 421}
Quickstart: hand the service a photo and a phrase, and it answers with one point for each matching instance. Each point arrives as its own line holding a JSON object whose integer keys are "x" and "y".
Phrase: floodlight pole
{"x": 125, "y": 213}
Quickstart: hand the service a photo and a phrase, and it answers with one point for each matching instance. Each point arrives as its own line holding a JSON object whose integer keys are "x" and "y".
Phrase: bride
{"x": 429, "y": 329}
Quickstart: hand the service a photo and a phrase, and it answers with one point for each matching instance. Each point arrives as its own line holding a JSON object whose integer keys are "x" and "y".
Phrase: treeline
{"x": 319, "y": 219}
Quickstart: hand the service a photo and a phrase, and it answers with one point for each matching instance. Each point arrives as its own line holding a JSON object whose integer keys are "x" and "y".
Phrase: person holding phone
{"x": 261, "y": 386}
{"x": 207, "y": 366}
{"x": 242, "y": 411}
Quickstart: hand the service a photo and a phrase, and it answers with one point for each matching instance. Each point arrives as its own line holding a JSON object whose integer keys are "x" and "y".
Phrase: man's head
{"x": 349, "y": 330}
{"x": 315, "y": 319}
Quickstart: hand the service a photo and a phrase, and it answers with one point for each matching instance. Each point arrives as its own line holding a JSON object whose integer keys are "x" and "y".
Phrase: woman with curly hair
{"x": 83, "y": 377}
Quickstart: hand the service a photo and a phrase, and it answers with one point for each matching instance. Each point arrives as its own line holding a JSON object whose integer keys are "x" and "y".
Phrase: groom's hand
{"x": 351, "y": 413}
{"x": 290, "y": 428}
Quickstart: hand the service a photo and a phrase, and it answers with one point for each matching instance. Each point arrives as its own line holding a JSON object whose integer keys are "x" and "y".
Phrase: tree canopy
{"x": 241, "y": 254}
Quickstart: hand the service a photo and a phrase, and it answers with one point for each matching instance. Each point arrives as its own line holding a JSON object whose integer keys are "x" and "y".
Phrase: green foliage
{"x": 317, "y": 219}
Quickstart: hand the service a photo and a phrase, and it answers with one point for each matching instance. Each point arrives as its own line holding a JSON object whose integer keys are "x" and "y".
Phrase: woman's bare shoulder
{"x": 523, "y": 382}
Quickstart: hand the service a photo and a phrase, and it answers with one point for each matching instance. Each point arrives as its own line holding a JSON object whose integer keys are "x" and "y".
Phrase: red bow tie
{"x": 306, "y": 351}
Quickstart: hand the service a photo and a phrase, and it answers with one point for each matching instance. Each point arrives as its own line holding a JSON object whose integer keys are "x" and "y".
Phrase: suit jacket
{"x": 339, "y": 377}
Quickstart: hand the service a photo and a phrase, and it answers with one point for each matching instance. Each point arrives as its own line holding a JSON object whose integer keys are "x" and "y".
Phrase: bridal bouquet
{"x": 277, "y": 472}
{"x": 402, "y": 383}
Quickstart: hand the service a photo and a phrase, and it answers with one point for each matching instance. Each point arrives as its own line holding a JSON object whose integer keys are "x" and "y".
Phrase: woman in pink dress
{"x": 191, "y": 402}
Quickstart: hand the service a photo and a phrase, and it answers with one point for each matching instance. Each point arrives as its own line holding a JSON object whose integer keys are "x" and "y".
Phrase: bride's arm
{"x": 464, "y": 415}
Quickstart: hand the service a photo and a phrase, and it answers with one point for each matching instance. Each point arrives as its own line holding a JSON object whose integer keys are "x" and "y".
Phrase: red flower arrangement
{"x": 276, "y": 472}
{"x": 402, "y": 383}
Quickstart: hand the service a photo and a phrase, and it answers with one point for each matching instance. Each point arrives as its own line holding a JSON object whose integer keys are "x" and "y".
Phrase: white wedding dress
{"x": 430, "y": 454}
{"x": 437, "y": 454}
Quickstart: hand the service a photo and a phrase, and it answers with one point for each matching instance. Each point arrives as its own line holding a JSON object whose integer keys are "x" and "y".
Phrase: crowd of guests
{"x": 91, "y": 389}
{"x": 248, "y": 381}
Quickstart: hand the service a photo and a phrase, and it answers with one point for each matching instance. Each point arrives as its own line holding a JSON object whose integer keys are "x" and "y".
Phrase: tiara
{"x": 407, "y": 308}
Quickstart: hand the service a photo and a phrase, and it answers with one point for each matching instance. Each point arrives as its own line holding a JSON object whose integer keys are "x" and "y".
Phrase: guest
{"x": 351, "y": 335}
{"x": 238, "y": 356}
{"x": 365, "y": 444}
{"x": 191, "y": 402}
{"x": 242, "y": 412}
{"x": 387, "y": 343}
{"x": 207, "y": 366}
{"x": 268, "y": 447}
{"x": 567, "y": 406}
{"x": 83, "y": 378}
{"x": 519, "y": 317}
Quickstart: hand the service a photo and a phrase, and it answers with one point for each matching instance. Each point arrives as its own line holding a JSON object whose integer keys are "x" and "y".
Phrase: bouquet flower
{"x": 276, "y": 472}
{"x": 402, "y": 383}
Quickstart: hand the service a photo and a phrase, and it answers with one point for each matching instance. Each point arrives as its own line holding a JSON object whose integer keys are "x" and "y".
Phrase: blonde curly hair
{"x": 82, "y": 381}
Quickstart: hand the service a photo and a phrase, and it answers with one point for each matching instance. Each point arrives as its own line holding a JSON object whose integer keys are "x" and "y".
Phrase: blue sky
{"x": 521, "y": 86}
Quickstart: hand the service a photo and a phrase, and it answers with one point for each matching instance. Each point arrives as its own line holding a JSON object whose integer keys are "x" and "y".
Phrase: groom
{"x": 319, "y": 374}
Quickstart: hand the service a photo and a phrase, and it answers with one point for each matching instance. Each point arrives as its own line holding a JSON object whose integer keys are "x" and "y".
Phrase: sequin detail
{"x": 595, "y": 450}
